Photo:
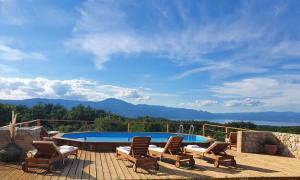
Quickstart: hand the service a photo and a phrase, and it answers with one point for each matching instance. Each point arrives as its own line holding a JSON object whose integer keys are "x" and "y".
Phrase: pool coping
{"x": 60, "y": 136}
{"x": 111, "y": 146}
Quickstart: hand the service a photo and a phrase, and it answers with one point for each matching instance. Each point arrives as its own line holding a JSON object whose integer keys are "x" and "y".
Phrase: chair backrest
{"x": 139, "y": 146}
{"x": 43, "y": 133}
{"x": 217, "y": 147}
{"x": 46, "y": 147}
{"x": 233, "y": 137}
{"x": 173, "y": 144}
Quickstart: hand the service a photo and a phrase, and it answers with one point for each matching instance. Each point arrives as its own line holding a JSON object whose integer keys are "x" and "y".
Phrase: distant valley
{"x": 130, "y": 110}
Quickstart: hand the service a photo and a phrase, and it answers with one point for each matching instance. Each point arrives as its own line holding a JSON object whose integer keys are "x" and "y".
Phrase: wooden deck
{"x": 95, "y": 165}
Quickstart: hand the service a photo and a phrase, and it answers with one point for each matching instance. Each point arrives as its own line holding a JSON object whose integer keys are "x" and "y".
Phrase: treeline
{"x": 99, "y": 120}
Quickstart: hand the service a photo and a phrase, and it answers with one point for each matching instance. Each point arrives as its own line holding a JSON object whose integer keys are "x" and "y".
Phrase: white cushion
{"x": 66, "y": 149}
{"x": 53, "y": 132}
{"x": 157, "y": 149}
{"x": 152, "y": 146}
{"x": 32, "y": 153}
{"x": 197, "y": 149}
{"x": 192, "y": 146}
{"x": 124, "y": 149}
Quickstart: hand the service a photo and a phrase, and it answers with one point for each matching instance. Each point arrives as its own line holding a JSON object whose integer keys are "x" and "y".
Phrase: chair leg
{"x": 233, "y": 163}
{"x": 216, "y": 164}
{"x": 24, "y": 166}
{"x": 177, "y": 164}
{"x": 192, "y": 162}
{"x": 50, "y": 168}
{"x": 156, "y": 166}
{"x": 134, "y": 167}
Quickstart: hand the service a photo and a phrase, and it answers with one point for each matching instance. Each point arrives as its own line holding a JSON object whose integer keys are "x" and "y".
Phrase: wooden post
{"x": 128, "y": 127}
{"x": 85, "y": 125}
{"x": 227, "y": 132}
{"x": 38, "y": 122}
{"x": 167, "y": 127}
{"x": 26, "y": 124}
{"x": 203, "y": 130}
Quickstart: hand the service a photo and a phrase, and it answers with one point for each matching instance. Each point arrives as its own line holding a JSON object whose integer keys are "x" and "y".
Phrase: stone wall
{"x": 253, "y": 142}
{"x": 24, "y": 137}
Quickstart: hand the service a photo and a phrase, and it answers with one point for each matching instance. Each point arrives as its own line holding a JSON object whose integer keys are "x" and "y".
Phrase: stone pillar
{"x": 128, "y": 127}
{"x": 38, "y": 122}
{"x": 239, "y": 143}
{"x": 167, "y": 127}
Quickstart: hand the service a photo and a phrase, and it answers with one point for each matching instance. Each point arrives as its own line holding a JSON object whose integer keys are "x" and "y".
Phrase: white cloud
{"x": 222, "y": 67}
{"x": 251, "y": 87}
{"x": 108, "y": 31}
{"x": 287, "y": 49}
{"x": 199, "y": 103}
{"x": 25, "y": 13}
{"x": 291, "y": 66}
{"x": 248, "y": 102}
{"x": 22, "y": 88}
{"x": 10, "y": 54}
{"x": 272, "y": 92}
{"x": 103, "y": 46}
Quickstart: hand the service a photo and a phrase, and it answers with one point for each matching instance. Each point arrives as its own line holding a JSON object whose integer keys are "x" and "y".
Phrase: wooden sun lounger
{"x": 46, "y": 154}
{"x": 138, "y": 153}
{"x": 216, "y": 151}
{"x": 172, "y": 150}
{"x": 47, "y": 135}
{"x": 232, "y": 139}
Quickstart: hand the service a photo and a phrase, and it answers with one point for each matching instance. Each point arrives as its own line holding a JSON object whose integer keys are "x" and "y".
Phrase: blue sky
{"x": 218, "y": 56}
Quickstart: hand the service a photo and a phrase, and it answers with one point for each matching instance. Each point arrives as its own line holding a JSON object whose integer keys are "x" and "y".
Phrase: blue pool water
{"x": 127, "y": 137}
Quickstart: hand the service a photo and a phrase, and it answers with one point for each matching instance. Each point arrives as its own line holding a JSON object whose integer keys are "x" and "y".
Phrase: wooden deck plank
{"x": 99, "y": 165}
{"x": 71, "y": 174}
{"x": 93, "y": 172}
{"x": 111, "y": 167}
{"x": 86, "y": 166}
{"x": 79, "y": 168}
{"x": 116, "y": 166}
{"x": 6, "y": 169}
{"x": 15, "y": 174}
{"x": 123, "y": 168}
{"x": 59, "y": 170}
{"x": 34, "y": 172}
{"x": 128, "y": 165}
{"x": 106, "y": 172}
{"x": 66, "y": 169}
{"x": 99, "y": 168}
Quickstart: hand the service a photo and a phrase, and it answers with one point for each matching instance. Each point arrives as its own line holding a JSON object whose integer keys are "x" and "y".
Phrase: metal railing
{"x": 228, "y": 129}
{"x": 166, "y": 126}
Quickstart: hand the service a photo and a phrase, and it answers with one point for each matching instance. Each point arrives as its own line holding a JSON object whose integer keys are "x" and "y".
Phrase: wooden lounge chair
{"x": 232, "y": 139}
{"x": 47, "y": 135}
{"x": 138, "y": 153}
{"x": 46, "y": 154}
{"x": 216, "y": 151}
{"x": 172, "y": 150}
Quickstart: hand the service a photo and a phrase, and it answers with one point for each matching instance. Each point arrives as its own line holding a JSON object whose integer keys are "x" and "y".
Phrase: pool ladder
{"x": 192, "y": 129}
{"x": 180, "y": 130}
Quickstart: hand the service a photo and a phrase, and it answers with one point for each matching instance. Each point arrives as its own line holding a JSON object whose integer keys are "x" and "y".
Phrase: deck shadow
{"x": 59, "y": 168}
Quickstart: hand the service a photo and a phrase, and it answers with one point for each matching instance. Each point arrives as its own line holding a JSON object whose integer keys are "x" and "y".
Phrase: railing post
{"x": 227, "y": 132}
{"x": 203, "y": 130}
{"x": 167, "y": 127}
{"x": 26, "y": 124}
{"x": 86, "y": 125}
{"x": 128, "y": 127}
{"x": 38, "y": 122}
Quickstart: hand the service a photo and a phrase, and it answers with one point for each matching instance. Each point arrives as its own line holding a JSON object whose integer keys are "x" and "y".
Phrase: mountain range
{"x": 126, "y": 109}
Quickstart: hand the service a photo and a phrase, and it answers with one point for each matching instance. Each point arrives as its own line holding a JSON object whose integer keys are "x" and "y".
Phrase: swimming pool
{"x": 127, "y": 137}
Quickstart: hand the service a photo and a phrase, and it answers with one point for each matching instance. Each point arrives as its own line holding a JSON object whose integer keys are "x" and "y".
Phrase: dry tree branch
{"x": 13, "y": 126}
